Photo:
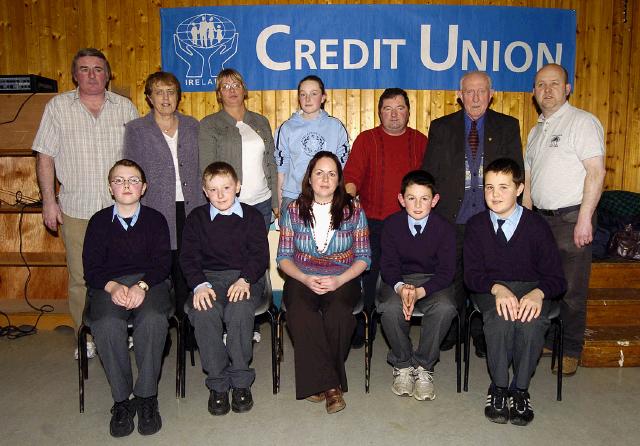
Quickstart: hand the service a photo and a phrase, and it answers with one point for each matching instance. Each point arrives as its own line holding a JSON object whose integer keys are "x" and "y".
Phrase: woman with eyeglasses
{"x": 243, "y": 139}
{"x": 165, "y": 144}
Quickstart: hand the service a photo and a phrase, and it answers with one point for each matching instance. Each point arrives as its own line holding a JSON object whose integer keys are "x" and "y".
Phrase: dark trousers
{"x": 180, "y": 287}
{"x": 576, "y": 263}
{"x": 461, "y": 293}
{"x": 226, "y": 365}
{"x": 438, "y": 310}
{"x": 265, "y": 209}
{"x": 108, "y": 323}
{"x": 321, "y": 327}
{"x": 514, "y": 342}
{"x": 370, "y": 279}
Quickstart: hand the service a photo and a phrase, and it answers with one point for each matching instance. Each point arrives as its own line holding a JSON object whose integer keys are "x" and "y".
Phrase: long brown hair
{"x": 341, "y": 199}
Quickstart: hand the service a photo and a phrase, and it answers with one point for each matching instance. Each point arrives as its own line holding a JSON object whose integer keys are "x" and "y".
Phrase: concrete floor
{"x": 39, "y": 405}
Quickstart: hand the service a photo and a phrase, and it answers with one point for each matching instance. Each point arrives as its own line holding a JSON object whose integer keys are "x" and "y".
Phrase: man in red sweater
{"x": 379, "y": 159}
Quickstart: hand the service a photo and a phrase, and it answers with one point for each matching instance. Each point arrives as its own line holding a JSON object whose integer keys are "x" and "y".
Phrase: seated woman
{"x": 127, "y": 260}
{"x": 323, "y": 249}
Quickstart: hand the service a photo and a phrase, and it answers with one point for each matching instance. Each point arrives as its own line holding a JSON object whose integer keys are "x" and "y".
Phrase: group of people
{"x": 402, "y": 221}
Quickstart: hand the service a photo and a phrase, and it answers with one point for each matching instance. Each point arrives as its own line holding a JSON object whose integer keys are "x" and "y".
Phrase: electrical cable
{"x": 19, "y": 110}
{"x": 12, "y": 331}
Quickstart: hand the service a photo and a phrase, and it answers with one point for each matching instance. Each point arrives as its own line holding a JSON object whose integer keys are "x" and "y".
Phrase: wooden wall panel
{"x": 41, "y": 36}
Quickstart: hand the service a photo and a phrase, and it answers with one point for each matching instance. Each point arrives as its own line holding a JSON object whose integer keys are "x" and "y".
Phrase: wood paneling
{"x": 41, "y": 37}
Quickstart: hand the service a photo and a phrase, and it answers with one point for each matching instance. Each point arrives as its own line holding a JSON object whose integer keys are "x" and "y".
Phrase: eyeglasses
{"x": 119, "y": 181}
{"x": 233, "y": 86}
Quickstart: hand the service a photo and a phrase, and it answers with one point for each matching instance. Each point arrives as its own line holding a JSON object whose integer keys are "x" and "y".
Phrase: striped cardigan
{"x": 349, "y": 243}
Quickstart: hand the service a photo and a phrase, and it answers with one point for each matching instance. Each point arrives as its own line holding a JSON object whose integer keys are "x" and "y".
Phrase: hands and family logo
{"x": 205, "y": 42}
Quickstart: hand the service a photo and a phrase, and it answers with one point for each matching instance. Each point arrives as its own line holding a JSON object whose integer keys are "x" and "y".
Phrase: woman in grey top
{"x": 243, "y": 139}
{"x": 165, "y": 144}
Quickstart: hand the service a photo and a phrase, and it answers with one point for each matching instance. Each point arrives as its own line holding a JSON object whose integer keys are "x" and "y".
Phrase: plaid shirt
{"x": 83, "y": 148}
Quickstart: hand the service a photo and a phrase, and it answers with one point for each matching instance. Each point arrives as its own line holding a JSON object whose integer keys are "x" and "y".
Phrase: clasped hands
{"x": 124, "y": 296}
{"x": 204, "y": 296}
{"x": 409, "y": 294}
{"x": 510, "y": 308}
{"x": 322, "y": 284}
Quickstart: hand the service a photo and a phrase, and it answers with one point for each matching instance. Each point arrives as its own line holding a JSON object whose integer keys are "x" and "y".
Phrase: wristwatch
{"x": 246, "y": 280}
{"x": 143, "y": 285}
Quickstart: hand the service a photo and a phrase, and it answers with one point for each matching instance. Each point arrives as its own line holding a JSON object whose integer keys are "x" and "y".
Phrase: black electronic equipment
{"x": 27, "y": 83}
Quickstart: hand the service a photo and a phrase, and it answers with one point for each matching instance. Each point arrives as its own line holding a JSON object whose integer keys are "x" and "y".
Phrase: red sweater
{"x": 376, "y": 165}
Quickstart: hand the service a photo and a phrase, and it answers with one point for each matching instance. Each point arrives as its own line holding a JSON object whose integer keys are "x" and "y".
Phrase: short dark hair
{"x": 89, "y": 52}
{"x": 506, "y": 166}
{"x": 128, "y": 163}
{"x": 419, "y": 177}
{"x": 390, "y": 93}
{"x": 162, "y": 77}
{"x": 219, "y": 168}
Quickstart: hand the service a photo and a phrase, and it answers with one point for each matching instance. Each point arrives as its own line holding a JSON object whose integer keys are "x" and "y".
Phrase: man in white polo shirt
{"x": 564, "y": 174}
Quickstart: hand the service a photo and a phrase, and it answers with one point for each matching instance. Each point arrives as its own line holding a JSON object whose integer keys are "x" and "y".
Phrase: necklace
{"x": 326, "y": 238}
{"x": 321, "y": 204}
{"x": 171, "y": 125}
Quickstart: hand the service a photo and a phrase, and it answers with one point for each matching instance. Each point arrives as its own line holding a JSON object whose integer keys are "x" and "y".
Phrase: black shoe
{"x": 520, "y": 412}
{"x": 447, "y": 344}
{"x": 497, "y": 407}
{"x": 241, "y": 400}
{"x": 149, "y": 420}
{"x": 122, "y": 415}
{"x": 481, "y": 347}
{"x": 219, "y": 403}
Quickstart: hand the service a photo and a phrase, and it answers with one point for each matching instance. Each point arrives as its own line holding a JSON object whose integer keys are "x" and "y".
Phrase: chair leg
{"x": 279, "y": 341}
{"x": 367, "y": 350}
{"x": 458, "y": 364}
{"x": 192, "y": 338}
{"x": 81, "y": 366}
{"x": 274, "y": 343}
{"x": 179, "y": 365}
{"x": 560, "y": 335}
{"x": 466, "y": 350}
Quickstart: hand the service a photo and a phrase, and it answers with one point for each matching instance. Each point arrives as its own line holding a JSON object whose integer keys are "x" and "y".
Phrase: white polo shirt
{"x": 556, "y": 147}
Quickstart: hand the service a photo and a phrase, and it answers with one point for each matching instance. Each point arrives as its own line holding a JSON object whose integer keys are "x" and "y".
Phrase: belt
{"x": 555, "y": 212}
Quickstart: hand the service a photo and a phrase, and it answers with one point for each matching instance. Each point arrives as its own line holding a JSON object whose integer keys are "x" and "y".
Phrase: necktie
{"x": 502, "y": 239}
{"x": 418, "y": 229}
{"x": 474, "y": 139}
{"x": 128, "y": 221}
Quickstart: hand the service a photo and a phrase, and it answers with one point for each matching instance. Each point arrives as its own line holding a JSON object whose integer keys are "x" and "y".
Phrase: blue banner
{"x": 416, "y": 47}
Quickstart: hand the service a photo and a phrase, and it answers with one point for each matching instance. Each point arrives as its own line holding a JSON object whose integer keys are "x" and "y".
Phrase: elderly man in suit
{"x": 461, "y": 145}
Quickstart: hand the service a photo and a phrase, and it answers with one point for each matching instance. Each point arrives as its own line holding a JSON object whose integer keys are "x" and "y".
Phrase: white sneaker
{"x": 256, "y": 336}
{"x": 424, "y": 389}
{"x": 91, "y": 351}
{"x": 130, "y": 341}
{"x": 224, "y": 338}
{"x": 403, "y": 381}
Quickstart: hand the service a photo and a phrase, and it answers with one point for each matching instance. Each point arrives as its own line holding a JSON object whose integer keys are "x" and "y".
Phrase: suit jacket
{"x": 145, "y": 144}
{"x": 444, "y": 157}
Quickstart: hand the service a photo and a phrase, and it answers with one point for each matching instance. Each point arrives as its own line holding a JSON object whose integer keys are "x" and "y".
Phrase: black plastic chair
{"x": 265, "y": 307}
{"x": 557, "y": 353}
{"x": 83, "y": 362}
{"x": 357, "y": 310}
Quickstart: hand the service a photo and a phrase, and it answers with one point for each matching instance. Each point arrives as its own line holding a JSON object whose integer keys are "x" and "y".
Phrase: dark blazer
{"x": 145, "y": 144}
{"x": 444, "y": 157}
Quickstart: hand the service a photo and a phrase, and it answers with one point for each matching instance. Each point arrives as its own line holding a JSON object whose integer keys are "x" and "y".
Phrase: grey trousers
{"x": 226, "y": 365}
{"x": 514, "y": 342}
{"x": 108, "y": 323}
{"x": 438, "y": 309}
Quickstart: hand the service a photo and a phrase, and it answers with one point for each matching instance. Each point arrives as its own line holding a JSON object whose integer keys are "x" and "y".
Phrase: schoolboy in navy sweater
{"x": 225, "y": 254}
{"x": 513, "y": 267}
{"x": 417, "y": 266}
{"x": 127, "y": 258}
